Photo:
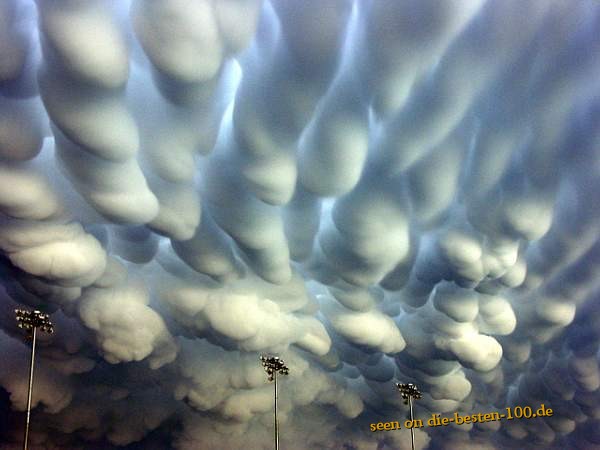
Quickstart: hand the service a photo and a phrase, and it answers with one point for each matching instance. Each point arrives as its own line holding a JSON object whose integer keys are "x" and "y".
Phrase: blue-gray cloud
{"x": 375, "y": 190}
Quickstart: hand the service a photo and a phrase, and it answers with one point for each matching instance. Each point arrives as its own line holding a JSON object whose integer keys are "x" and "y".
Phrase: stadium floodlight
{"x": 409, "y": 392}
{"x": 30, "y": 321}
{"x": 274, "y": 365}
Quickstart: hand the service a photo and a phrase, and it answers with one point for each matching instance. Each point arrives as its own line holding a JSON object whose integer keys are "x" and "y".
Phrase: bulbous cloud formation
{"x": 377, "y": 191}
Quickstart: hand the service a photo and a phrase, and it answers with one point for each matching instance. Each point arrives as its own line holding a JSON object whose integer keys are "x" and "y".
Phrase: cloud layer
{"x": 376, "y": 191}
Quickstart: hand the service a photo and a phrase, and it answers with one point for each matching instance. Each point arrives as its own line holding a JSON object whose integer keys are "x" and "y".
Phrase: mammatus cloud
{"x": 376, "y": 191}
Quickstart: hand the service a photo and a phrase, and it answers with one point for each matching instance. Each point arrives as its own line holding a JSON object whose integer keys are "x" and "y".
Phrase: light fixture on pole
{"x": 274, "y": 365}
{"x": 409, "y": 392}
{"x": 30, "y": 321}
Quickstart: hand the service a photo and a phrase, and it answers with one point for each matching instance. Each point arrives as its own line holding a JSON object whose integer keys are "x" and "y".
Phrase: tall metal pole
{"x": 409, "y": 392}
{"x": 276, "y": 426}
{"x": 412, "y": 429}
{"x": 274, "y": 365}
{"x": 30, "y": 391}
{"x": 31, "y": 321}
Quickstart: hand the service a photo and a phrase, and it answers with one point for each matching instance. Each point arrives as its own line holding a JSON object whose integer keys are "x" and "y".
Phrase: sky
{"x": 376, "y": 191}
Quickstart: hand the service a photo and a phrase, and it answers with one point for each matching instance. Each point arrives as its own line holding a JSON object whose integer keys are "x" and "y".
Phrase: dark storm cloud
{"x": 374, "y": 190}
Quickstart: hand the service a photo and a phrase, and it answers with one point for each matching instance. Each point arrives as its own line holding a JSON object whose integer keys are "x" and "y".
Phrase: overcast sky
{"x": 377, "y": 191}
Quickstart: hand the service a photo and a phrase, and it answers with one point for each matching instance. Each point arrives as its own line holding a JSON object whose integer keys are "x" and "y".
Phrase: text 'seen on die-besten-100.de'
{"x": 436, "y": 420}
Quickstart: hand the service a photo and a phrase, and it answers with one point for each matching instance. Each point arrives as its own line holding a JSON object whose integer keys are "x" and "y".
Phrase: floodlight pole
{"x": 30, "y": 390}
{"x": 276, "y": 428}
{"x": 412, "y": 429}
{"x": 31, "y": 321}
{"x": 274, "y": 365}
{"x": 409, "y": 392}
